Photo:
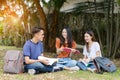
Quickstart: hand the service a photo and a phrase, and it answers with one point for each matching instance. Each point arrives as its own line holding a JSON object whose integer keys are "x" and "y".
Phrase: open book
{"x": 87, "y": 63}
{"x": 51, "y": 60}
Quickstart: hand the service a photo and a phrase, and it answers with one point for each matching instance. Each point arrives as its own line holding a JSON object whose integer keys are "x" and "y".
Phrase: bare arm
{"x": 91, "y": 59}
{"x": 85, "y": 59}
{"x": 98, "y": 54}
{"x": 30, "y": 61}
{"x": 59, "y": 50}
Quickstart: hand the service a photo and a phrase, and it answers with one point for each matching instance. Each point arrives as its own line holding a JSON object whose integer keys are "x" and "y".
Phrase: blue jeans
{"x": 38, "y": 67}
{"x": 66, "y": 62}
{"x": 83, "y": 67}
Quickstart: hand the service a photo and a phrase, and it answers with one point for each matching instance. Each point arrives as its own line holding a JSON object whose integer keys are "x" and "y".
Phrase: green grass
{"x": 62, "y": 75}
{"x": 8, "y": 47}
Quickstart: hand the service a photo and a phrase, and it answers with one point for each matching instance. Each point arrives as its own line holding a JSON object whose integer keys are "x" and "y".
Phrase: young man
{"x": 34, "y": 48}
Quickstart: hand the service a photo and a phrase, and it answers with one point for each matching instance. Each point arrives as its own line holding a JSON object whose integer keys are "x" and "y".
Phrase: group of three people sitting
{"x": 33, "y": 48}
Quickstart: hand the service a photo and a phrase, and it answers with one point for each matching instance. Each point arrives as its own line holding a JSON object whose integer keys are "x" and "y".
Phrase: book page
{"x": 85, "y": 63}
{"x": 51, "y": 60}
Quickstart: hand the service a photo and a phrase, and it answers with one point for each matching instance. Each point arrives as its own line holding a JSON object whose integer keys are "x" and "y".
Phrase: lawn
{"x": 62, "y": 75}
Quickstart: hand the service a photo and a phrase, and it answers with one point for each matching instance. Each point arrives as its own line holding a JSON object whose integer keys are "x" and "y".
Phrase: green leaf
{"x": 118, "y": 2}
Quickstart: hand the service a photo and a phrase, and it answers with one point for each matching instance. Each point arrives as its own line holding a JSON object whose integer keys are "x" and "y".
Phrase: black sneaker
{"x": 54, "y": 64}
{"x": 55, "y": 69}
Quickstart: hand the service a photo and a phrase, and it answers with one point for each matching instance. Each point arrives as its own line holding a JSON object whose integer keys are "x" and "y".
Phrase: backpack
{"x": 104, "y": 64}
{"x": 13, "y": 61}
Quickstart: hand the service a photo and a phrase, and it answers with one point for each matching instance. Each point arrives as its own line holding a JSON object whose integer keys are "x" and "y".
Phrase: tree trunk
{"x": 43, "y": 23}
{"x": 24, "y": 20}
{"x": 97, "y": 26}
{"x": 117, "y": 35}
{"x": 111, "y": 29}
{"x": 53, "y": 30}
{"x": 107, "y": 28}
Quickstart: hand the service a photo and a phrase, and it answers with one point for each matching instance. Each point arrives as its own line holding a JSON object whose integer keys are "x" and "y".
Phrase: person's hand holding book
{"x": 47, "y": 61}
{"x": 70, "y": 50}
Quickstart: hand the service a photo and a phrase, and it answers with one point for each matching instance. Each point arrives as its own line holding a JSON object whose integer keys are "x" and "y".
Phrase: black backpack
{"x": 104, "y": 64}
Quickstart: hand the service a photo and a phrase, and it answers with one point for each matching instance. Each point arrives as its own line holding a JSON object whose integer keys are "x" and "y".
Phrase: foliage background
{"x": 20, "y": 16}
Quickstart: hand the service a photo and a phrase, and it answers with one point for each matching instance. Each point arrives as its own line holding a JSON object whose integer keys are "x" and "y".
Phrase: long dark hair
{"x": 69, "y": 38}
{"x": 90, "y": 32}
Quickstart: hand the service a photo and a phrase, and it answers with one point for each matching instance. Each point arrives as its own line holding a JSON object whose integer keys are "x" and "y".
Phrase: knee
{"x": 39, "y": 65}
{"x": 74, "y": 62}
{"x": 35, "y": 65}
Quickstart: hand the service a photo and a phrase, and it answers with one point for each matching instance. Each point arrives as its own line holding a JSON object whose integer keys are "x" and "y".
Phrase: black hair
{"x": 69, "y": 37}
{"x": 36, "y": 30}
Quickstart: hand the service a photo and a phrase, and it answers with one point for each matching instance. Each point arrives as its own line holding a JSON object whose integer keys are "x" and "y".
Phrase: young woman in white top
{"x": 91, "y": 50}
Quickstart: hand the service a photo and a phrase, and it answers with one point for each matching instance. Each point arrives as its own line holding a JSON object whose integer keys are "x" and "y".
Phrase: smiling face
{"x": 64, "y": 33}
{"x": 87, "y": 37}
{"x": 40, "y": 35}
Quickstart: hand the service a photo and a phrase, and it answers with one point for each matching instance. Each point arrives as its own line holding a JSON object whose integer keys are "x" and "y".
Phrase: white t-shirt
{"x": 93, "y": 49}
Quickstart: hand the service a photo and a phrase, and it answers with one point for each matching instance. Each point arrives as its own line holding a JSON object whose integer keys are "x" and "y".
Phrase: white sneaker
{"x": 31, "y": 71}
{"x": 92, "y": 70}
{"x": 76, "y": 68}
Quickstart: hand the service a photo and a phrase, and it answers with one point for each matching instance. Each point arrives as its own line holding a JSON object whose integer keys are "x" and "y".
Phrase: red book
{"x": 68, "y": 50}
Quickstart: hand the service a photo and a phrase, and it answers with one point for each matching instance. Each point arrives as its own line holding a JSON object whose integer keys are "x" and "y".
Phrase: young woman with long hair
{"x": 91, "y": 50}
{"x": 65, "y": 41}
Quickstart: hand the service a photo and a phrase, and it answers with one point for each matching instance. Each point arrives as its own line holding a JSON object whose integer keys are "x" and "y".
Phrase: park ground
{"x": 61, "y": 75}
